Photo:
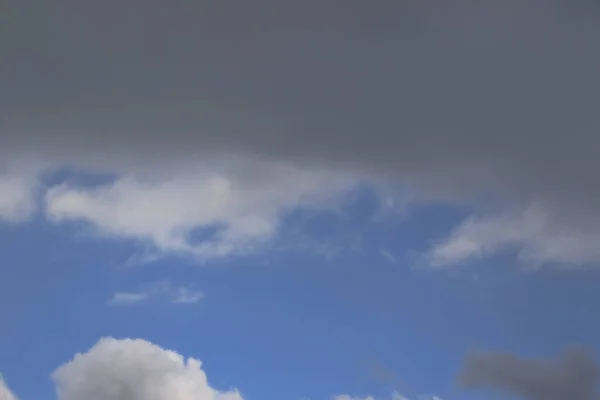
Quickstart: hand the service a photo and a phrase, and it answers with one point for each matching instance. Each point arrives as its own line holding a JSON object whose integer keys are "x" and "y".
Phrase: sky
{"x": 323, "y": 200}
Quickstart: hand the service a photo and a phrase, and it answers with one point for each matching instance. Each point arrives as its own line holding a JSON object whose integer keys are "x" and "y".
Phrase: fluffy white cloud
{"x": 532, "y": 233}
{"x": 5, "y": 393}
{"x": 134, "y": 370}
{"x": 242, "y": 206}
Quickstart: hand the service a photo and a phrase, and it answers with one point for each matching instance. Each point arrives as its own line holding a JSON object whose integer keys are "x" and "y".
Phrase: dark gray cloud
{"x": 573, "y": 375}
{"x": 468, "y": 97}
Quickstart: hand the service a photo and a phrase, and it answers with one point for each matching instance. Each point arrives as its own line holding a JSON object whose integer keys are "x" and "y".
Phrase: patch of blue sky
{"x": 289, "y": 323}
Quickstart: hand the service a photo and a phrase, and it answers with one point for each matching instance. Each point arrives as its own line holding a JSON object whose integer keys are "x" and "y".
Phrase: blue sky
{"x": 292, "y": 323}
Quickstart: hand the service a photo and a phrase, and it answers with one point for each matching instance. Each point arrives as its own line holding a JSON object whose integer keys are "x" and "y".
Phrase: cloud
{"x": 348, "y": 397}
{"x": 127, "y": 298}
{"x": 393, "y": 396}
{"x": 573, "y": 375}
{"x": 16, "y": 197}
{"x": 163, "y": 290}
{"x": 457, "y": 101}
{"x": 532, "y": 232}
{"x": 187, "y": 296}
{"x": 137, "y": 370}
{"x": 242, "y": 211}
{"x": 388, "y": 256}
{"x": 5, "y": 393}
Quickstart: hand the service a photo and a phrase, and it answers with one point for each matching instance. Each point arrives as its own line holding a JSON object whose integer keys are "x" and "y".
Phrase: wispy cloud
{"x": 530, "y": 232}
{"x": 16, "y": 197}
{"x": 394, "y": 396}
{"x": 187, "y": 296}
{"x": 119, "y": 298}
{"x": 388, "y": 256}
{"x": 159, "y": 290}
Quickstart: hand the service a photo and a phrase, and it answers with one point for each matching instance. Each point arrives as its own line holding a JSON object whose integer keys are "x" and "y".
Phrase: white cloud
{"x": 134, "y": 370}
{"x": 128, "y": 298}
{"x": 187, "y": 296}
{"x": 394, "y": 396}
{"x": 244, "y": 208}
{"x": 388, "y": 256}
{"x": 348, "y": 397}
{"x": 5, "y": 393}
{"x": 532, "y": 233}
{"x": 164, "y": 290}
{"x": 16, "y": 197}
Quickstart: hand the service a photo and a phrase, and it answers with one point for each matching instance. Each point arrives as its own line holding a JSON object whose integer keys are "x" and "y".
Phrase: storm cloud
{"x": 573, "y": 375}
{"x": 456, "y": 101}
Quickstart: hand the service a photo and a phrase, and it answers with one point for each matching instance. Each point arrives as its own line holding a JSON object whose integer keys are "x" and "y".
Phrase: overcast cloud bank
{"x": 215, "y": 118}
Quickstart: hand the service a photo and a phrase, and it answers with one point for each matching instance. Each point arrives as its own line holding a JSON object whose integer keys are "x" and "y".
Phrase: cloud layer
{"x": 458, "y": 101}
